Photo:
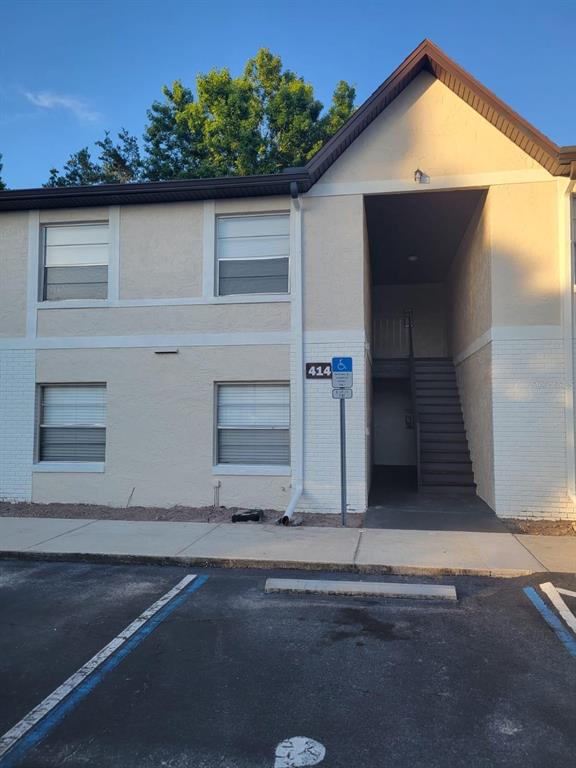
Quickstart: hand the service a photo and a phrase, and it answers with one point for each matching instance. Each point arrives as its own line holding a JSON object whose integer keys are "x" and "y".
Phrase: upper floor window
{"x": 75, "y": 264}
{"x": 252, "y": 253}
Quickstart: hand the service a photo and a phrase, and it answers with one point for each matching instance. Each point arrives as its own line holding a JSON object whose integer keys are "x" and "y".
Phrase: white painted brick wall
{"x": 17, "y": 406}
{"x": 322, "y": 434}
{"x": 529, "y": 429}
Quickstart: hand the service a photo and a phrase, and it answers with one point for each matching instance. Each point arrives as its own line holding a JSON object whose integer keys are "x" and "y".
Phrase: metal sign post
{"x": 342, "y": 390}
{"x": 343, "y": 460}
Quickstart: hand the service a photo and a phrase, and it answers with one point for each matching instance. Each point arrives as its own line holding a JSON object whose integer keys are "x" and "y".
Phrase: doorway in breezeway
{"x": 394, "y": 441}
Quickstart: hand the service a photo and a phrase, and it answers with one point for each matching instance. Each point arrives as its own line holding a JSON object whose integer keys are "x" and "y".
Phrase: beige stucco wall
{"x": 70, "y": 215}
{"x": 476, "y": 394}
{"x": 13, "y": 271}
{"x": 428, "y": 127}
{"x": 428, "y": 304}
{"x": 525, "y": 254}
{"x": 276, "y": 203}
{"x": 469, "y": 284}
{"x": 160, "y": 425}
{"x": 161, "y": 250}
{"x": 201, "y": 318}
{"x": 333, "y": 263}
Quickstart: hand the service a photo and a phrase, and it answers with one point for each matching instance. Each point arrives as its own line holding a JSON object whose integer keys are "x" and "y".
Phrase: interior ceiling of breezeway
{"x": 414, "y": 237}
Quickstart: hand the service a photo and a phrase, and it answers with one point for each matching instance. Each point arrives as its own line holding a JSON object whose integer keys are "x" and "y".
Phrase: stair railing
{"x": 409, "y": 324}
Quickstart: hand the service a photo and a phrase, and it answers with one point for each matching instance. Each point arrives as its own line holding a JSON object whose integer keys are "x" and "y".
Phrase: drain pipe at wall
{"x": 570, "y": 231}
{"x": 297, "y": 349}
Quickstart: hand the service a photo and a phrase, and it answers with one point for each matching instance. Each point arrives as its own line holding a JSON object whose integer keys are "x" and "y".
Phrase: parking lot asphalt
{"x": 230, "y": 672}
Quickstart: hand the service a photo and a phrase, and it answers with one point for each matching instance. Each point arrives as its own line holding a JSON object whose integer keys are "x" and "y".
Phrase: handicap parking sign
{"x": 341, "y": 372}
{"x": 342, "y": 364}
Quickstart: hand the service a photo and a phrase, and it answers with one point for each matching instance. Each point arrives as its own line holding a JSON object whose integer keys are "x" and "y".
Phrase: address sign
{"x": 318, "y": 371}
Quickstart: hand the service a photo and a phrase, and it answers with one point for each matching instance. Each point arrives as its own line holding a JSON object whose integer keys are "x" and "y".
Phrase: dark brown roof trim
{"x": 154, "y": 192}
{"x": 426, "y": 57}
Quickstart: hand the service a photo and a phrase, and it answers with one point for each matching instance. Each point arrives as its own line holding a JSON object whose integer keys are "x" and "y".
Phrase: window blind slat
{"x": 77, "y": 234}
{"x": 253, "y": 247}
{"x": 251, "y": 226}
{"x": 254, "y": 446}
{"x": 73, "y": 444}
{"x": 253, "y": 276}
{"x": 265, "y": 406}
{"x": 59, "y": 291}
{"x": 76, "y": 255}
{"x": 80, "y": 406}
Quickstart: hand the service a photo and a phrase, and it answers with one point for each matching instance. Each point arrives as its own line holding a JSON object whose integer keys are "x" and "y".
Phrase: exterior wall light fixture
{"x": 420, "y": 177}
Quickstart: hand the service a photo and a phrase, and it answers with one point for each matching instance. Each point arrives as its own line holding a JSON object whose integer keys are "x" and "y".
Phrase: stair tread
{"x": 448, "y": 488}
{"x": 449, "y": 457}
{"x": 463, "y": 469}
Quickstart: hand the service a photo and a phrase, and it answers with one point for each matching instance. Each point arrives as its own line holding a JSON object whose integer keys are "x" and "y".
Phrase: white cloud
{"x": 50, "y": 100}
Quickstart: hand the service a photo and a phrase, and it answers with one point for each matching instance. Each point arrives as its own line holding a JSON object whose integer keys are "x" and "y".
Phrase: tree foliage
{"x": 116, "y": 162}
{"x": 260, "y": 122}
{"x": 2, "y": 185}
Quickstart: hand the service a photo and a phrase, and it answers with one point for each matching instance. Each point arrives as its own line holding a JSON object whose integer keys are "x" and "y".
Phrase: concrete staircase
{"x": 445, "y": 463}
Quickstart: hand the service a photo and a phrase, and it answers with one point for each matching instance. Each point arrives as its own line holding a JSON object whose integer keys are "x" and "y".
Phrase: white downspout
{"x": 297, "y": 344}
{"x": 567, "y": 215}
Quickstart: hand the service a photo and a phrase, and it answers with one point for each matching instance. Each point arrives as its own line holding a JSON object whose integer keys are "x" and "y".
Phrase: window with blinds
{"x": 75, "y": 261}
{"x": 253, "y": 424}
{"x": 73, "y": 423}
{"x": 252, "y": 253}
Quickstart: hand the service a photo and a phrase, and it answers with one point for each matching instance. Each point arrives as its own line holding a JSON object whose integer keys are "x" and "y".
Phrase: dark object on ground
{"x": 252, "y": 515}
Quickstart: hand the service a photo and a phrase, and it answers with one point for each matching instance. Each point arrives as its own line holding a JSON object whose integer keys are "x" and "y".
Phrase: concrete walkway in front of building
{"x": 266, "y": 546}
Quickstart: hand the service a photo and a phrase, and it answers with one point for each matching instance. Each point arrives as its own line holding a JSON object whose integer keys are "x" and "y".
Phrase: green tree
{"x": 118, "y": 162}
{"x": 263, "y": 121}
{"x": 340, "y": 110}
{"x": 2, "y": 185}
{"x": 260, "y": 122}
{"x": 172, "y": 149}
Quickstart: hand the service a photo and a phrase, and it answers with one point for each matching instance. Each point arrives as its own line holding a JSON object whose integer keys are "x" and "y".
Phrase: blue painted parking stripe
{"x": 551, "y": 619}
{"x": 13, "y": 746}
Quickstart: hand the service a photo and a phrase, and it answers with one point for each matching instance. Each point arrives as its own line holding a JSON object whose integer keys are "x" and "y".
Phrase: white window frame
{"x": 112, "y": 247}
{"x": 279, "y": 470}
{"x": 231, "y": 298}
{"x": 64, "y": 466}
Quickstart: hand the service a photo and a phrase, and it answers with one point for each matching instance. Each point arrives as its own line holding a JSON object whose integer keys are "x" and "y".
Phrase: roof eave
{"x": 154, "y": 192}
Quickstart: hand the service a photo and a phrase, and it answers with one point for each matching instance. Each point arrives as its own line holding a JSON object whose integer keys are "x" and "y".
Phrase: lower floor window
{"x": 73, "y": 423}
{"x": 253, "y": 424}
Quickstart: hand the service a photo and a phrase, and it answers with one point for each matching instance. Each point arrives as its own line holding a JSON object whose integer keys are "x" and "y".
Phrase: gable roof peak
{"x": 427, "y": 56}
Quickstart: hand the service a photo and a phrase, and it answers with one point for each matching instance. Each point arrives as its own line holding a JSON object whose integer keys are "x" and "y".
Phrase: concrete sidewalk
{"x": 256, "y": 545}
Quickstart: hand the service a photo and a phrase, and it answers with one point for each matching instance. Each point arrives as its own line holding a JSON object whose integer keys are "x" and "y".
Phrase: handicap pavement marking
{"x": 40, "y": 721}
{"x": 563, "y": 634}
{"x": 299, "y": 751}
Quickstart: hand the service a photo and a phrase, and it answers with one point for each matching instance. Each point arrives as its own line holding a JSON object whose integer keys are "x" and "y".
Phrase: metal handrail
{"x": 409, "y": 323}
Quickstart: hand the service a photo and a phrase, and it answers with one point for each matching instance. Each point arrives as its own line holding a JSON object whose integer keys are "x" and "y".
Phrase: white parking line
{"x": 550, "y": 590}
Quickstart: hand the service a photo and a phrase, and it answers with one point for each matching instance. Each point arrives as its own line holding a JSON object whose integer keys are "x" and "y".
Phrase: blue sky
{"x": 70, "y": 69}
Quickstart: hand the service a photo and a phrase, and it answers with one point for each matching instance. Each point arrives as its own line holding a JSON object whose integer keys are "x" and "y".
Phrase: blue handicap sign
{"x": 341, "y": 365}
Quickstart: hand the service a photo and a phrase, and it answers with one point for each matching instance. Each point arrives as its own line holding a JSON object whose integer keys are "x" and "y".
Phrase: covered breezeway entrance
{"x": 422, "y": 470}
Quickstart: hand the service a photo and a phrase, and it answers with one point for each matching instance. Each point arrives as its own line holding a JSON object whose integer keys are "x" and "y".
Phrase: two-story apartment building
{"x": 153, "y": 337}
